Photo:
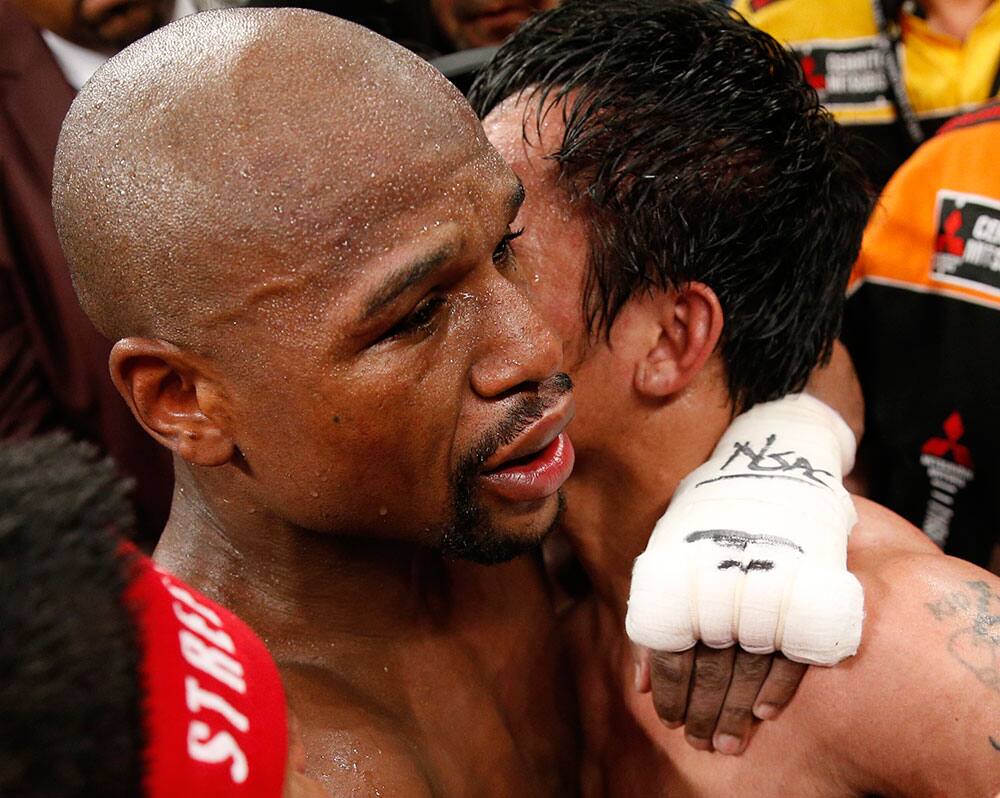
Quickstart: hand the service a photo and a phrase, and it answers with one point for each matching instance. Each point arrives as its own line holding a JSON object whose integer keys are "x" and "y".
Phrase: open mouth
{"x": 535, "y": 465}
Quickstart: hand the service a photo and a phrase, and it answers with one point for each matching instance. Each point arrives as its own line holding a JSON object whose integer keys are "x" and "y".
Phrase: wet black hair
{"x": 700, "y": 154}
{"x": 70, "y": 719}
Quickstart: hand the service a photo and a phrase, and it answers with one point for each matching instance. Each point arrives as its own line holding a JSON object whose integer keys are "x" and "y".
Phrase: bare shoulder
{"x": 353, "y": 747}
{"x": 925, "y": 686}
{"x": 880, "y": 528}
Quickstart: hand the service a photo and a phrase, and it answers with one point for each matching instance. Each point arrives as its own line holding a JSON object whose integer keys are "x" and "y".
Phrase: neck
{"x": 955, "y": 18}
{"x": 621, "y": 488}
{"x": 299, "y": 589}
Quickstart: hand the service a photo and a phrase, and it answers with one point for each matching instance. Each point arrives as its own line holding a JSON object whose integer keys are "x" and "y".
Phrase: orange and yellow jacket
{"x": 843, "y": 54}
{"x": 922, "y": 319}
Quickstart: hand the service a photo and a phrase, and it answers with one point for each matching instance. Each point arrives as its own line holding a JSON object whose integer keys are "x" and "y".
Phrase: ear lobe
{"x": 689, "y": 322}
{"x": 172, "y": 399}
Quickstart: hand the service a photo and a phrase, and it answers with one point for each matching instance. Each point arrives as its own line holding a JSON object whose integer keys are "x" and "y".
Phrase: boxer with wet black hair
{"x": 690, "y": 223}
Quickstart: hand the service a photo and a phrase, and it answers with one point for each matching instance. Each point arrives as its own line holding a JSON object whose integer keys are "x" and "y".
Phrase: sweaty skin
{"x": 914, "y": 713}
{"x": 300, "y": 238}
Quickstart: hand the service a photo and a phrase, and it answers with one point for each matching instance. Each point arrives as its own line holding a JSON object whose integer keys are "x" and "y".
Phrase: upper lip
{"x": 536, "y": 437}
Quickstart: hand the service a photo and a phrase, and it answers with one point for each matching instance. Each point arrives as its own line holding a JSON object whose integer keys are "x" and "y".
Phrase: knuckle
{"x": 700, "y": 724}
{"x": 753, "y": 666}
{"x": 786, "y": 677}
{"x": 669, "y": 669}
{"x": 711, "y": 674}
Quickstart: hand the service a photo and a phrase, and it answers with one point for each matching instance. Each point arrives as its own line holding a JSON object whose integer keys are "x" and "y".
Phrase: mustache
{"x": 522, "y": 415}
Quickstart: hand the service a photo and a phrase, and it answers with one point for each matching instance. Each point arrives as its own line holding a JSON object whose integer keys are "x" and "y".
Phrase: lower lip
{"x": 536, "y": 479}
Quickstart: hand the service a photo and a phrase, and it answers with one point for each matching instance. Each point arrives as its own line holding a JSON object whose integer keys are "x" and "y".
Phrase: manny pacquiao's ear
{"x": 684, "y": 326}
{"x": 171, "y": 394}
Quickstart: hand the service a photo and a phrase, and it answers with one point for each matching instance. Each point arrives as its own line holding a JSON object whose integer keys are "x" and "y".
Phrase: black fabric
{"x": 881, "y": 149}
{"x": 902, "y": 338}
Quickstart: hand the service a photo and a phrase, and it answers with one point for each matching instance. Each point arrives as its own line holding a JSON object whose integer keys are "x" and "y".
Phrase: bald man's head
{"x": 216, "y": 166}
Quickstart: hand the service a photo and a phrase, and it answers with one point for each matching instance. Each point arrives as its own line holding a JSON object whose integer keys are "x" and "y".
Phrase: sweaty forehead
{"x": 309, "y": 127}
{"x": 525, "y": 138}
{"x": 234, "y": 146}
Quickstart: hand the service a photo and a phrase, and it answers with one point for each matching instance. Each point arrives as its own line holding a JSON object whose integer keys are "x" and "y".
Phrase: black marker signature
{"x": 773, "y": 465}
{"x": 734, "y": 539}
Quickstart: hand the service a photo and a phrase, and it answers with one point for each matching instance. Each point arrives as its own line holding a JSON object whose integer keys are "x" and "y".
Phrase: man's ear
{"x": 681, "y": 330}
{"x": 174, "y": 399}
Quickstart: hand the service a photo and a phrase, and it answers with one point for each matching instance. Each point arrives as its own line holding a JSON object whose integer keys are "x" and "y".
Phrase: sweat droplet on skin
{"x": 315, "y": 494}
{"x": 383, "y": 510}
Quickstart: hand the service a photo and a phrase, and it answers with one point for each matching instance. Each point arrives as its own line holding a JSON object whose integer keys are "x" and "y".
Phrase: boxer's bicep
{"x": 923, "y": 694}
{"x": 961, "y": 613}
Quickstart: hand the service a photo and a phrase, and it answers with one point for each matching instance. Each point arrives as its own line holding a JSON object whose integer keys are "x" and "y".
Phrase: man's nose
{"x": 518, "y": 350}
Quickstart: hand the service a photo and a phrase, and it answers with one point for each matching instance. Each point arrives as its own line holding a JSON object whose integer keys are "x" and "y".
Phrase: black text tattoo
{"x": 974, "y": 611}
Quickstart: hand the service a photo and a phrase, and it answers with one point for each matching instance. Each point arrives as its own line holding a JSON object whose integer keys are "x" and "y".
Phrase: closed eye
{"x": 422, "y": 318}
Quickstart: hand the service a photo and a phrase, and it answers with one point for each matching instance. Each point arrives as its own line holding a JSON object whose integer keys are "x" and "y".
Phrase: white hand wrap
{"x": 753, "y": 548}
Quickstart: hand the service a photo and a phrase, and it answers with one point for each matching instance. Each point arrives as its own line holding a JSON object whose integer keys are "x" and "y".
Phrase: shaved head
{"x": 300, "y": 238}
{"x": 215, "y": 168}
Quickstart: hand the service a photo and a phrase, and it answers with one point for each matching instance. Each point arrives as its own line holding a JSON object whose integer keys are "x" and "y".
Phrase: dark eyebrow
{"x": 397, "y": 282}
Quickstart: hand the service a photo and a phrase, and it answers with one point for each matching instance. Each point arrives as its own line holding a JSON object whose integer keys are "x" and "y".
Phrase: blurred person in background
{"x": 53, "y": 362}
{"x": 116, "y": 678}
{"x": 430, "y": 28}
{"x": 921, "y": 322}
{"x": 465, "y": 24}
{"x": 409, "y": 23}
{"x": 457, "y": 36}
{"x": 891, "y": 71}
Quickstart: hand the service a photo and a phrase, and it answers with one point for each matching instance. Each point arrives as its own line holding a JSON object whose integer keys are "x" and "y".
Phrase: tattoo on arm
{"x": 974, "y": 615}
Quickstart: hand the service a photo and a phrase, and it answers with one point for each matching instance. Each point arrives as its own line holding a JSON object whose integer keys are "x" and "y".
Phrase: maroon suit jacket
{"x": 53, "y": 362}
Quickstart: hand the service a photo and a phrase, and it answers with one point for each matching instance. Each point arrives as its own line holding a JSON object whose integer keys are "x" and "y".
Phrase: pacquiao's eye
{"x": 504, "y": 251}
{"x": 421, "y": 318}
